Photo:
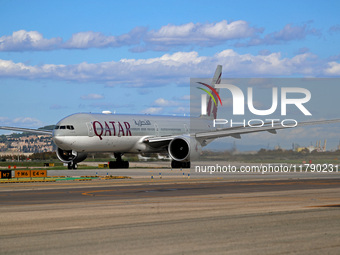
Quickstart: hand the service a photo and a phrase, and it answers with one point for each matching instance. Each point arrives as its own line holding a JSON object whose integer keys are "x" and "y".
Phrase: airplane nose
{"x": 58, "y": 140}
{"x": 63, "y": 142}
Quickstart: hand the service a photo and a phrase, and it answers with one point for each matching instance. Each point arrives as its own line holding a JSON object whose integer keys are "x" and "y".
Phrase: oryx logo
{"x": 212, "y": 97}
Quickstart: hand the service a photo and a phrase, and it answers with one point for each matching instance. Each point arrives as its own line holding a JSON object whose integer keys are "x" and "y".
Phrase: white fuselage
{"x": 86, "y": 132}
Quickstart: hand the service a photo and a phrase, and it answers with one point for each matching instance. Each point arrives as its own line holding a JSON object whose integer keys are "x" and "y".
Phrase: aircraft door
{"x": 156, "y": 129}
{"x": 186, "y": 129}
{"x": 90, "y": 129}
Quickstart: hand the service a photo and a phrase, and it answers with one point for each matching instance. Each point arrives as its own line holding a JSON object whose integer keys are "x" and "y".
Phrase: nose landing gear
{"x": 72, "y": 165}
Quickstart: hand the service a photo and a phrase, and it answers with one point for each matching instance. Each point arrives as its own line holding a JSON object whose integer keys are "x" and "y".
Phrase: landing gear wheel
{"x": 179, "y": 164}
{"x": 119, "y": 163}
{"x": 112, "y": 164}
{"x": 174, "y": 164}
{"x": 125, "y": 164}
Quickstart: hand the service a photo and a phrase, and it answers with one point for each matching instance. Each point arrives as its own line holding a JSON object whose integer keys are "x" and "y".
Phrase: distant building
{"x": 311, "y": 148}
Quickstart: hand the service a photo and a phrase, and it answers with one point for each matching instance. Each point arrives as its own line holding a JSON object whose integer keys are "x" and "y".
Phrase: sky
{"x": 62, "y": 57}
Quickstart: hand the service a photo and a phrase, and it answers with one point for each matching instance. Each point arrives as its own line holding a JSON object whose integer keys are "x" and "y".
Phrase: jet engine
{"x": 184, "y": 148}
{"x": 70, "y": 157}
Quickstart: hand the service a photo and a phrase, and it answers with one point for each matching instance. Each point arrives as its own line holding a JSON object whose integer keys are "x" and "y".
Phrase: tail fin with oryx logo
{"x": 214, "y": 99}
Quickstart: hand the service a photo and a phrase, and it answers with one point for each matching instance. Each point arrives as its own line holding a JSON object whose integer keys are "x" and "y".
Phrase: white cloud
{"x": 23, "y": 40}
{"x": 185, "y": 97}
{"x": 90, "y": 39}
{"x": 163, "y": 39}
{"x": 28, "y": 40}
{"x": 153, "y": 110}
{"x": 249, "y": 65}
{"x": 289, "y": 32}
{"x": 4, "y": 120}
{"x": 27, "y": 121}
{"x": 21, "y": 121}
{"x": 175, "y": 68}
{"x": 83, "y": 40}
{"x": 164, "y": 102}
{"x": 333, "y": 68}
{"x": 170, "y": 35}
{"x": 182, "y": 110}
{"x": 92, "y": 97}
{"x": 165, "y": 106}
{"x": 201, "y": 34}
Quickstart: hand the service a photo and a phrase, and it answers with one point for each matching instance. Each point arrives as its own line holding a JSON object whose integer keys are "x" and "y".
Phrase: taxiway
{"x": 237, "y": 214}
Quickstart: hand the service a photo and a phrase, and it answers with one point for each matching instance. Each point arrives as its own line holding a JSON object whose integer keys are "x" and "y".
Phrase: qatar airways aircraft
{"x": 83, "y": 133}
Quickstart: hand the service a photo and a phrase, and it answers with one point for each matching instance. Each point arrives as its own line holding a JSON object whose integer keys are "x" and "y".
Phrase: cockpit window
{"x": 69, "y": 127}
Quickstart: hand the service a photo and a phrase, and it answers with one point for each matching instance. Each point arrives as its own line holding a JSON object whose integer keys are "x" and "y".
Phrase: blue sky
{"x": 62, "y": 57}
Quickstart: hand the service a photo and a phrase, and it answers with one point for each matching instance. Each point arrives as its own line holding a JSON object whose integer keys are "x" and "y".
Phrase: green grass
{"x": 40, "y": 166}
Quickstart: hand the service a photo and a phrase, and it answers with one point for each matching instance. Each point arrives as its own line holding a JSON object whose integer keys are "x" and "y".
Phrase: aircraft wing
{"x": 236, "y": 132}
{"x": 36, "y": 131}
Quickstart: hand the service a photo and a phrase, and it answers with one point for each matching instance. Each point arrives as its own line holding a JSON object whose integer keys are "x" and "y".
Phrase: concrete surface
{"x": 192, "y": 216}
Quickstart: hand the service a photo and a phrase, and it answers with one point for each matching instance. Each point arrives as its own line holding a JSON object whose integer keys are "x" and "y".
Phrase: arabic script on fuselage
{"x": 142, "y": 122}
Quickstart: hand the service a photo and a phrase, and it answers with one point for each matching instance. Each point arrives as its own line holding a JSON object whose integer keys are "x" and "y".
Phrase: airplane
{"x": 79, "y": 134}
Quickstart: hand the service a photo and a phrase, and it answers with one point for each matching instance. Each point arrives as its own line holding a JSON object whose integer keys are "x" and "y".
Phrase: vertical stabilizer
{"x": 214, "y": 98}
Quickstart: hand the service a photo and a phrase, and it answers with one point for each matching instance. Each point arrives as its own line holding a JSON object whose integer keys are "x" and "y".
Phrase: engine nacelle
{"x": 70, "y": 156}
{"x": 184, "y": 148}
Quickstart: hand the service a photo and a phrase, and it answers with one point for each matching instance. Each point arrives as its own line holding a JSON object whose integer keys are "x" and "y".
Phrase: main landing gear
{"x": 180, "y": 164}
{"x": 119, "y": 163}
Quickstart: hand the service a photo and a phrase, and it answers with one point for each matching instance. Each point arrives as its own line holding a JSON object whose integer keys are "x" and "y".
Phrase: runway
{"x": 172, "y": 216}
{"x": 68, "y": 193}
